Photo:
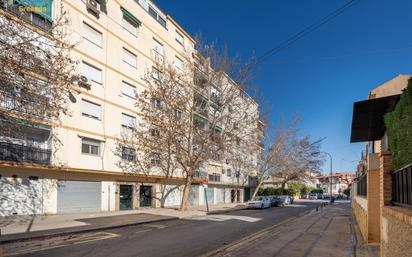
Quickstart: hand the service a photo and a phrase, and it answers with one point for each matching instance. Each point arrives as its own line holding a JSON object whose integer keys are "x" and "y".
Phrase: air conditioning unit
{"x": 93, "y": 6}
{"x": 84, "y": 82}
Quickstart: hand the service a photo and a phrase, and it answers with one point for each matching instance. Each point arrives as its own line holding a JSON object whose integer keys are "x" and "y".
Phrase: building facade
{"x": 116, "y": 43}
{"x": 340, "y": 182}
{"x": 380, "y": 218}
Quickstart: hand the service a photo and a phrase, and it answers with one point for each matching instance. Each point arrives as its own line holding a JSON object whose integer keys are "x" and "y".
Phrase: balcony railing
{"x": 402, "y": 186}
{"x": 23, "y": 153}
{"x": 13, "y": 103}
{"x": 31, "y": 17}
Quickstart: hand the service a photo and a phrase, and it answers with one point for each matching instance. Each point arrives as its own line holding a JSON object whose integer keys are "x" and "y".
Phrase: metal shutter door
{"x": 78, "y": 196}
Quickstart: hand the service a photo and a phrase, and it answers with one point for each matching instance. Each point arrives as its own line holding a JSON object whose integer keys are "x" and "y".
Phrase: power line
{"x": 306, "y": 31}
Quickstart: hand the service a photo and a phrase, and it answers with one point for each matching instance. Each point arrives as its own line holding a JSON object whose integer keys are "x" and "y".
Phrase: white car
{"x": 259, "y": 202}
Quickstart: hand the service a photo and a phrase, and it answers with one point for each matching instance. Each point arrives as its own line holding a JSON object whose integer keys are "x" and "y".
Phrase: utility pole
{"x": 330, "y": 175}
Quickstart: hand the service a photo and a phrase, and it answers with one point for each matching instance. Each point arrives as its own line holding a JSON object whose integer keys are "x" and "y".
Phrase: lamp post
{"x": 330, "y": 179}
{"x": 330, "y": 175}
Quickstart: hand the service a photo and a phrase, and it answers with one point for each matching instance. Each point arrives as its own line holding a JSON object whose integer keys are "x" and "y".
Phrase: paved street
{"x": 185, "y": 237}
{"x": 327, "y": 233}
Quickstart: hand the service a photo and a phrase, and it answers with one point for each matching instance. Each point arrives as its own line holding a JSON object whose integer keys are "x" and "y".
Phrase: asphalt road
{"x": 186, "y": 237}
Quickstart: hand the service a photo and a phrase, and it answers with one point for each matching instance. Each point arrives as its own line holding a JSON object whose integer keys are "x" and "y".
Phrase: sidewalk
{"x": 17, "y": 228}
{"x": 327, "y": 232}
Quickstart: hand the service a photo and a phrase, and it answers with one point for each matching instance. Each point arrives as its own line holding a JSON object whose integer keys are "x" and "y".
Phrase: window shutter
{"x": 91, "y": 72}
{"x": 91, "y": 109}
{"x": 128, "y": 89}
{"x": 129, "y": 57}
{"x": 128, "y": 121}
{"x": 92, "y": 34}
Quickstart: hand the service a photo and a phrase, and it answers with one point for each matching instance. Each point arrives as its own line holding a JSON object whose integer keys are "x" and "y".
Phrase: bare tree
{"x": 289, "y": 156}
{"x": 192, "y": 113}
{"x": 36, "y": 80}
{"x": 37, "y": 72}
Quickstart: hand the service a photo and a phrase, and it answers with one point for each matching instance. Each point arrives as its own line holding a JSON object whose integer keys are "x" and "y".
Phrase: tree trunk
{"x": 257, "y": 189}
{"x": 283, "y": 187}
{"x": 185, "y": 198}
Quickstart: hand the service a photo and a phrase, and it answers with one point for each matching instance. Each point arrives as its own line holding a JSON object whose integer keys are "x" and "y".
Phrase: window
{"x": 128, "y": 121}
{"x": 155, "y": 159}
{"x": 178, "y": 114}
{"x": 229, "y": 172}
{"x": 155, "y": 133}
{"x": 91, "y": 109}
{"x": 92, "y": 35}
{"x": 128, "y": 89}
{"x": 154, "y": 13}
{"x": 179, "y": 89}
{"x": 130, "y": 25}
{"x": 90, "y": 146}
{"x": 179, "y": 63}
{"x": 156, "y": 103}
{"x": 91, "y": 72}
{"x": 128, "y": 154}
{"x": 179, "y": 38}
{"x": 158, "y": 50}
{"x": 129, "y": 58}
{"x": 156, "y": 74}
{"x": 214, "y": 177}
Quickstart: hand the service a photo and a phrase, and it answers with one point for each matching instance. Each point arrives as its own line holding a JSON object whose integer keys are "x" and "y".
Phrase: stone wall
{"x": 396, "y": 232}
{"x": 361, "y": 216}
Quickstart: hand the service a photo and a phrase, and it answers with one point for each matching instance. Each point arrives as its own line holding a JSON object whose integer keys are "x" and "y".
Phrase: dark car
{"x": 276, "y": 201}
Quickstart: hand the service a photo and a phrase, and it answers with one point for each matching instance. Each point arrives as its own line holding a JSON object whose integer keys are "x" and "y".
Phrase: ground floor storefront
{"x": 31, "y": 191}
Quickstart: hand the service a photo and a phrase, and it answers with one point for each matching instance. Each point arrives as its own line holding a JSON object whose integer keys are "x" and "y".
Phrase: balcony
{"x": 24, "y": 154}
{"x": 40, "y": 20}
{"x": 14, "y": 103}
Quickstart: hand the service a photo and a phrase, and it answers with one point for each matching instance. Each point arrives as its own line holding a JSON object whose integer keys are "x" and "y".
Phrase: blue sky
{"x": 321, "y": 75}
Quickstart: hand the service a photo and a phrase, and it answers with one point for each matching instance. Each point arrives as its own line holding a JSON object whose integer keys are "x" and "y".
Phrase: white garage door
{"x": 78, "y": 196}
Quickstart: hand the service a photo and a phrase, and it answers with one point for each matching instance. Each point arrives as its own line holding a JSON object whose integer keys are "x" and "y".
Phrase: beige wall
{"x": 396, "y": 232}
{"x": 373, "y": 206}
{"x": 391, "y": 87}
{"x": 361, "y": 215}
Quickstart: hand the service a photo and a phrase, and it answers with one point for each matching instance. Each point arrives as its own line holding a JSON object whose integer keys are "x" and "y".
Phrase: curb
{"x": 226, "y": 211}
{"x": 86, "y": 230}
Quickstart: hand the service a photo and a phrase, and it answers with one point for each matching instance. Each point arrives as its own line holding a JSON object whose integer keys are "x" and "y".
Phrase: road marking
{"x": 227, "y": 217}
{"x": 142, "y": 231}
{"x": 253, "y": 236}
{"x": 154, "y": 226}
{"x": 51, "y": 243}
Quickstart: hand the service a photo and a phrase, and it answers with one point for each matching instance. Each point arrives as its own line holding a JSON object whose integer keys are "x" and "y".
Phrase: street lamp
{"x": 330, "y": 179}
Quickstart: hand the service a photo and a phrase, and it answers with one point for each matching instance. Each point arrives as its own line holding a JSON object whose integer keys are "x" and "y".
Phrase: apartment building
{"x": 117, "y": 42}
{"x": 340, "y": 182}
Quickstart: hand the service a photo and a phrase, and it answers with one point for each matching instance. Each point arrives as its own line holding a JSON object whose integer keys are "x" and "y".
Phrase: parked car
{"x": 259, "y": 202}
{"x": 276, "y": 201}
{"x": 320, "y": 196}
{"x": 287, "y": 199}
{"x": 313, "y": 196}
{"x": 326, "y": 197}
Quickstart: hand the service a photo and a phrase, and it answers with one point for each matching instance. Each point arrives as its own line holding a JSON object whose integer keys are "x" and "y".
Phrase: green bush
{"x": 269, "y": 191}
{"x": 317, "y": 191}
{"x": 399, "y": 128}
{"x": 347, "y": 191}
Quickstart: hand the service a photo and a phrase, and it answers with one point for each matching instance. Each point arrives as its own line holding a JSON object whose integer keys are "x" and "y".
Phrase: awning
{"x": 41, "y": 7}
{"x": 217, "y": 129}
{"x": 21, "y": 122}
{"x": 199, "y": 119}
{"x": 368, "y": 118}
{"x": 131, "y": 16}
